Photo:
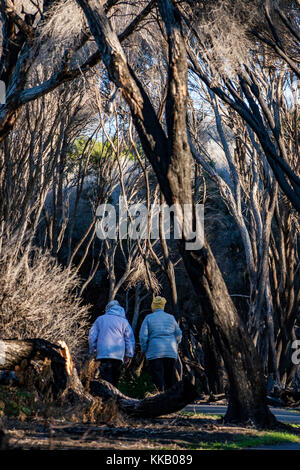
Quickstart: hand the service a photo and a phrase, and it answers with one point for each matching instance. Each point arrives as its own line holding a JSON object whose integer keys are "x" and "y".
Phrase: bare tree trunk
{"x": 247, "y": 401}
{"x": 169, "y": 266}
{"x": 137, "y": 304}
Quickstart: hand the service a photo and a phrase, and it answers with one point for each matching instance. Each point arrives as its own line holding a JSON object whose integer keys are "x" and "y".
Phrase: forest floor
{"x": 184, "y": 430}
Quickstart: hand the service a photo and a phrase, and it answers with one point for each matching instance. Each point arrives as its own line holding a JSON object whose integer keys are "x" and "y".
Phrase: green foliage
{"x": 192, "y": 414}
{"x": 136, "y": 386}
{"x": 82, "y": 146}
{"x": 83, "y": 149}
{"x": 260, "y": 439}
{"x": 17, "y": 403}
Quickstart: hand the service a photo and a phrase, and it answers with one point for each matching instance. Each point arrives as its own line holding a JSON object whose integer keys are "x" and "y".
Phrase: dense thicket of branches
{"x": 107, "y": 98}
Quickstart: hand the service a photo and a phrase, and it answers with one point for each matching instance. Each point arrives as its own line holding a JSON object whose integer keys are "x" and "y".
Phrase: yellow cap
{"x": 158, "y": 302}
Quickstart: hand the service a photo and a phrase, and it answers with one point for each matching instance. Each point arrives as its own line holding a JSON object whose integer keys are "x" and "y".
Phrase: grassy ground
{"x": 245, "y": 442}
{"x": 238, "y": 442}
{"x": 28, "y": 428}
{"x": 175, "y": 432}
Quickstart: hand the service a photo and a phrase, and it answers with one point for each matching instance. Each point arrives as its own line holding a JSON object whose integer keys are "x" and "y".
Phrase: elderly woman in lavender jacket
{"x": 112, "y": 339}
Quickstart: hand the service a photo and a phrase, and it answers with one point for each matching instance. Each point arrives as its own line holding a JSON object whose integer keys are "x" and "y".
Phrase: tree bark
{"x": 247, "y": 399}
{"x": 212, "y": 362}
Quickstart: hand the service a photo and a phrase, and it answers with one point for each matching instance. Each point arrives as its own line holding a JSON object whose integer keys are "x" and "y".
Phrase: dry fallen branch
{"x": 174, "y": 399}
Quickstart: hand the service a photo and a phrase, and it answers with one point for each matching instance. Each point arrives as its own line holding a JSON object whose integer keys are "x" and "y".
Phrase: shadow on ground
{"x": 178, "y": 431}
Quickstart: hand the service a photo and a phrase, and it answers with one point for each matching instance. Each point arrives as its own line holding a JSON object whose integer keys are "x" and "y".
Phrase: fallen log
{"x": 290, "y": 398}
{"x": 274, "y": 401}
{"x": 19, "y": 355}
{"x": 15, "y": 352}
{"x": 170, "y": 401}
{"x": 217, "y": 397}
{"x": 66, "y": 383}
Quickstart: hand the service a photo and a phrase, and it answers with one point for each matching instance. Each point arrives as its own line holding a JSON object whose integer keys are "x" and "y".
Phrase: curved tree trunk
{"x": 174, "y": 399}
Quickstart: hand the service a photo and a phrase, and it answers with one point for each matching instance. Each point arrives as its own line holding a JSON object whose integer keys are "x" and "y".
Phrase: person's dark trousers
{"x": 110, "y": 370}
{"x": 163, "y": 372}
